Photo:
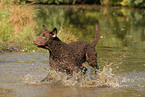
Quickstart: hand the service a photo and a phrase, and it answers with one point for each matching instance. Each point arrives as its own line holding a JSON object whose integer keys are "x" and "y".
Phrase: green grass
{"x": 18, "y": 28}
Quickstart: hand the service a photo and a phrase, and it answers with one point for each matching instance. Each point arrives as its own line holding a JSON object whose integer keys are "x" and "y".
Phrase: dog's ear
{"x": 54, "y": 32}
{"x": 44, "y": 28}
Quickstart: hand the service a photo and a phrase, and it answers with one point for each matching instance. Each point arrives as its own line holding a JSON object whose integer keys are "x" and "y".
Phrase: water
{"x": 121, "y": 56}
{"x": 22, "y": 72}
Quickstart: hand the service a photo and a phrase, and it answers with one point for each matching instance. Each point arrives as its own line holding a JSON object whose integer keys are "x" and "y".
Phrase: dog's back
{"x": 68, "y": 57}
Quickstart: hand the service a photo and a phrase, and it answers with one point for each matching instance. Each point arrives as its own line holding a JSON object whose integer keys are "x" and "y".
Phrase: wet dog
{"x": 68, "y": 57}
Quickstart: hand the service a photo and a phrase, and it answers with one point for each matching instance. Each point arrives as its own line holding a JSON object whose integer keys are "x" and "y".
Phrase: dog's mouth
{"x": 38, "y": 44}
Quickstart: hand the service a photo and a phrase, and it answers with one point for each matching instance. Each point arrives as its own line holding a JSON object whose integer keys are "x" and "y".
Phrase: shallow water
{"x": 121, "y": 56}
{"x": 22, "y": 73}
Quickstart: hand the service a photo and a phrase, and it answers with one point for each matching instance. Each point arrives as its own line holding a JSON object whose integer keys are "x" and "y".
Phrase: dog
{"x": 68, "y": 58}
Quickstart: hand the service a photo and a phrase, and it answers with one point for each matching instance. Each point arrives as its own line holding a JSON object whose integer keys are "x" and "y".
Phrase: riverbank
{"x": 18, "y": 26}
{"x": 21, "y": 24}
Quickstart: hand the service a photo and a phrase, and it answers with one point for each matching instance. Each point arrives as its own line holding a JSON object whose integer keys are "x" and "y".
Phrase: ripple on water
{"x": 104, "y": 78}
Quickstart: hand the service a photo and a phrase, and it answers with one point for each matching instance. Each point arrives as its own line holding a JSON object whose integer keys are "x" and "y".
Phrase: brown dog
{"x": 68, "y": 57}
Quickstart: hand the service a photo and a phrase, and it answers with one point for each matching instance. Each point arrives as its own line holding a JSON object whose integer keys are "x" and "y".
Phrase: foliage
{"x": 67, "y": 37}
{"x": 136, "y": 3}
{"x": 114, "y": 25}
{"x": 110, "y": 2}
{"x": 13, "y": 1}
{"x": 54, "y": 17}
{"x": 52, "y": 1}
{"x": 140, "y": 3}
{"x": 65, "y": 1}
{"x": 17, "y": 25}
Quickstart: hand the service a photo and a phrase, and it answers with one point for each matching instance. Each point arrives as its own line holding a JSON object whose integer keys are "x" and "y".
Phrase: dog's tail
{"x": 96, "y": 37}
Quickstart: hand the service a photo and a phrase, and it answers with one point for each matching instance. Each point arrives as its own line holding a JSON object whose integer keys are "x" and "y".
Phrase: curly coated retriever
{"x": 68, "y": 57}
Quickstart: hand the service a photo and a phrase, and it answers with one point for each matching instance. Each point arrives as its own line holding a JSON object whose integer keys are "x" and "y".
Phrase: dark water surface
{"x": 121, "y": 55}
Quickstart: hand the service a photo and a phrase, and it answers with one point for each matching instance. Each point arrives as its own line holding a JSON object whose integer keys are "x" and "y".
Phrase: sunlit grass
{"x": 18, "y": 28}
{"x": 67, "y": 37}
{"x": 21, "y": 16}
{"x": 17, "y": 25}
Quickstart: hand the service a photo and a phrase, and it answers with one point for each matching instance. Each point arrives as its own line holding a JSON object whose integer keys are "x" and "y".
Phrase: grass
{"x": 67, "y": 37}
{"x": 18, "y": 28}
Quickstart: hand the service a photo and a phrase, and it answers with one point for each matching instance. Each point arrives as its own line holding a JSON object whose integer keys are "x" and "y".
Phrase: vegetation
{"x": 118, "y": 26}
{"x": 20, "y": 24}
{"x": 135, "y": 3}
{"x": 17, "y": 26}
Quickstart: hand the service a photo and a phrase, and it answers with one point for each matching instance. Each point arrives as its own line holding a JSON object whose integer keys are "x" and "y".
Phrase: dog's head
{"x": 45, "y": 37}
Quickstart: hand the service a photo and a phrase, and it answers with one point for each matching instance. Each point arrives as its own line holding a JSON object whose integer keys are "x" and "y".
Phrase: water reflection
{"x": 121, "y": 48}
{"x": 118, "y": 26}
{"x": 122, "y": 29}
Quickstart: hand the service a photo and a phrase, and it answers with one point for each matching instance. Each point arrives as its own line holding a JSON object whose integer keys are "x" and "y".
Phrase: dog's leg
{"x": 46, "y": 79}
{"x": 91, "y": 57}
{"x": 84, "y": 69}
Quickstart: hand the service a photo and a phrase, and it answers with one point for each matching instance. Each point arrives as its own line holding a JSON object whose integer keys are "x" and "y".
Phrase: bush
{"x": 14, "y": 1}
{"x": 17, "y": 25}
{"x": 110, "y": 2}
{"x": 138, "y": 3}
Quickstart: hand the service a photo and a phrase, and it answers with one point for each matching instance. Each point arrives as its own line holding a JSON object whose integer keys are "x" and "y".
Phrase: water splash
{"x": 103, "y": 78}
{"x": 35, "y": 76}
{"x": 133, "y": 80}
